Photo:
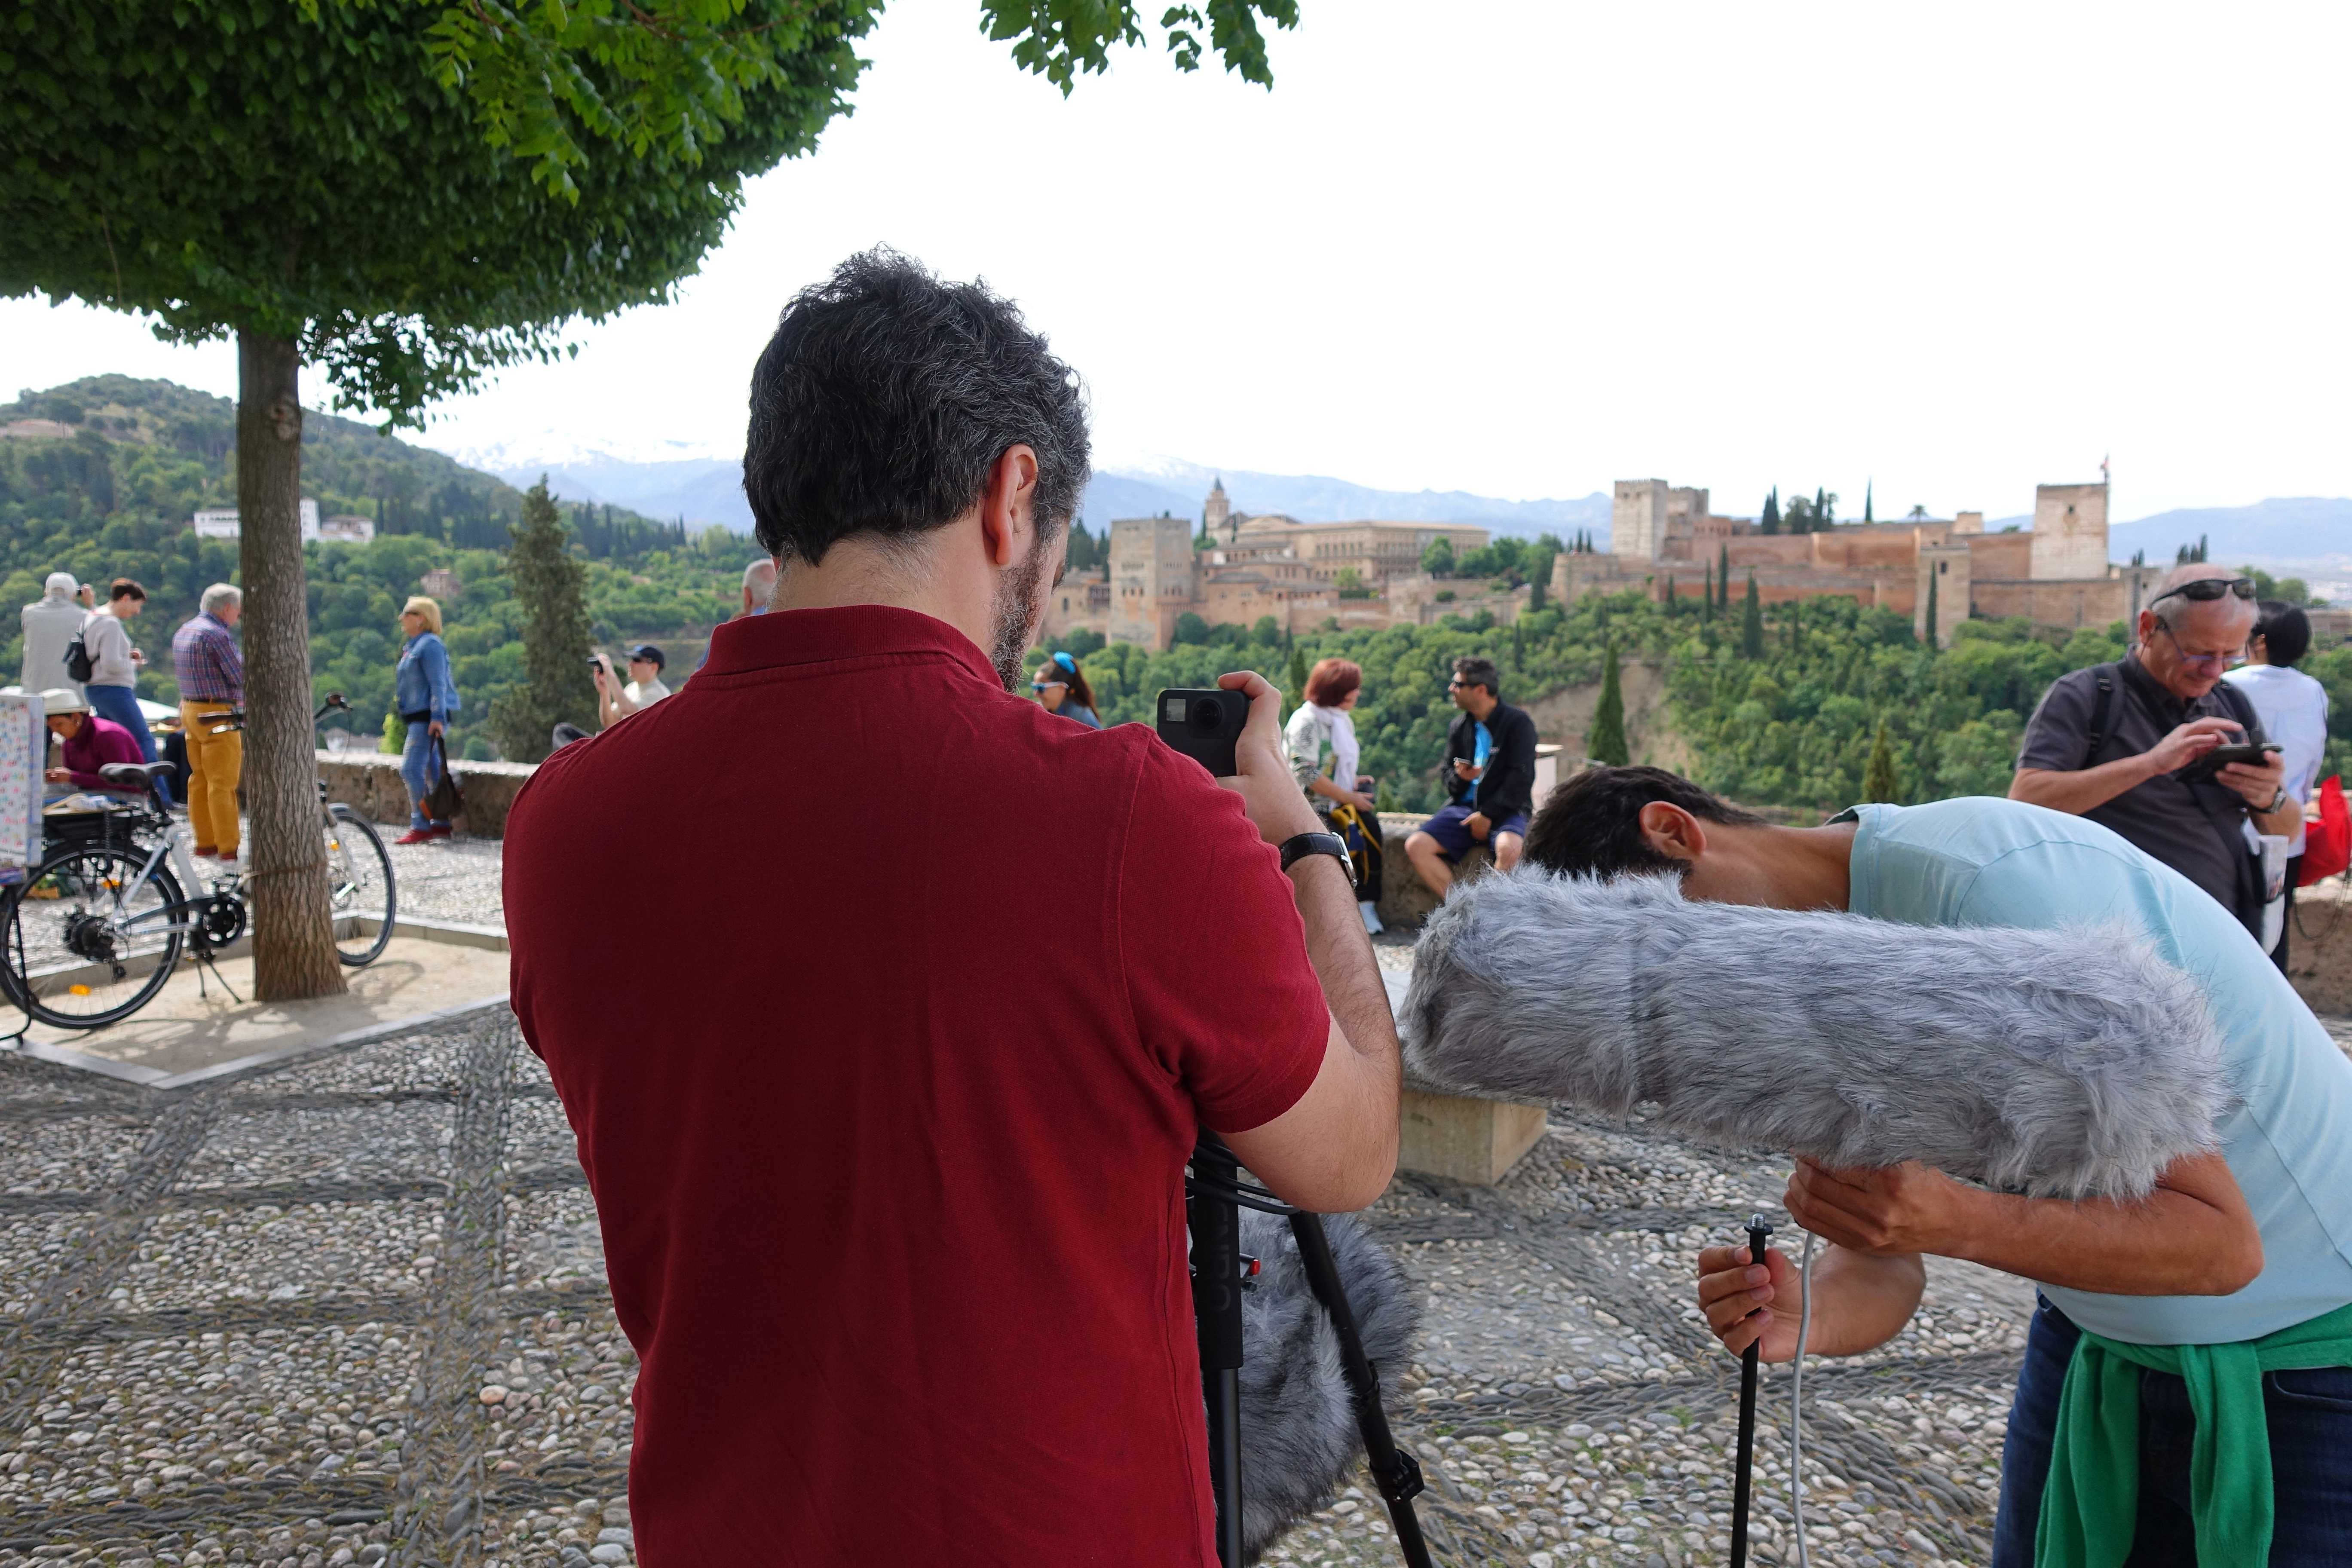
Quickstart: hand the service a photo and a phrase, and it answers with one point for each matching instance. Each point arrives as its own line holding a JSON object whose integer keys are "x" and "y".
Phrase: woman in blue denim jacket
{"x": 425, "y": 696}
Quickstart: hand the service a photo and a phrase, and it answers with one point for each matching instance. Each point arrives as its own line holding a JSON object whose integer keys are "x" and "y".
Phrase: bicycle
{"x": 91, "y": 935}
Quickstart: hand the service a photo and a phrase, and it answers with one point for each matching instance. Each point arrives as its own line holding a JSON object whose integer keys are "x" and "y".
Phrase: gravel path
{"x": 352, "y": 1310}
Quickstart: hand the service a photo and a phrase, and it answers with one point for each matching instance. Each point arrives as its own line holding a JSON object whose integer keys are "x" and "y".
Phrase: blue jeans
{"x": 120, "y": 705}
{"x": 417, "y": 772}
{"x": 2310, "y": 1420}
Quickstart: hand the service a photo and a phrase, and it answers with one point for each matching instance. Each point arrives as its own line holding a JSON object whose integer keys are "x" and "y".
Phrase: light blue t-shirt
{"x": 1988, "y": 862}
{"x": 1482, "y": 746}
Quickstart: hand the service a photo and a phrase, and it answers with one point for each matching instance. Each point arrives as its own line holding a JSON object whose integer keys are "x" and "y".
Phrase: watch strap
{"x": 1300, "y": 846}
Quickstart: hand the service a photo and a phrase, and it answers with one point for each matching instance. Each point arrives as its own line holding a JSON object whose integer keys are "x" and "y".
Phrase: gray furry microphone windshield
{"x": 2054, "y": 1063}
{"x": 1298, "y": 1421}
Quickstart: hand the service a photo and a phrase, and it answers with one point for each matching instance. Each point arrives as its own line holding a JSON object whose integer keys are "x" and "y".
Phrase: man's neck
{"x": 859, "y": 572}
{"x": 1778, "y": 867}
{"x": 1483, "y": 713}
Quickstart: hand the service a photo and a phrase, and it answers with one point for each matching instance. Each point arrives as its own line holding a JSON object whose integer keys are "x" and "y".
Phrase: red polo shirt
{"x": 887, "y": 1145}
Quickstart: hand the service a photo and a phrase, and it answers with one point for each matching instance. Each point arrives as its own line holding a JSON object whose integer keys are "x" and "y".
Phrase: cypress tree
{"x": 1297, "y": 675}
{"x": 551, "y": 587}
{"x": 1820, "y": 508}
{"x": 1931, "y": 610}
{"x": 1723, "y": 577}
{"x": 1707, "y": 600}
{"x": 1670, "y": 591}
{"x": 1607, "y": 742}
{"x": 1878, "y": 782}
{"x": 1771, "y": 523}
{"x": 1752, "y": 624}
{"x": 1866, "y": 486}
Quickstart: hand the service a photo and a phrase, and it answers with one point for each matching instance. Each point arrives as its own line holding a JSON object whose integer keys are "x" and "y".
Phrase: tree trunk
{"x": 293, "y": 934}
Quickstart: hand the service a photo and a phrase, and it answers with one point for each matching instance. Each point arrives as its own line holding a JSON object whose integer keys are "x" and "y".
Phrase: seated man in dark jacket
{"x": 1490, "y": 776}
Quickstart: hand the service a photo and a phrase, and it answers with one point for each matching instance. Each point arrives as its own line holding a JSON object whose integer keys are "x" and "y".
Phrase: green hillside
{"x": 1793, "y": 727}
{"x": 111, "y": 494}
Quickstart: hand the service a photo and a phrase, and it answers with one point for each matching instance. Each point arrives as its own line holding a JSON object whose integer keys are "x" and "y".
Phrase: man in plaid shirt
{"x": 212, "y": 681}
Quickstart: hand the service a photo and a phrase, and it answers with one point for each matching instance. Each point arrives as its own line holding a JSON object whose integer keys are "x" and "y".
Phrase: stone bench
{"x": 1461, "y": 1138}
{"x": 369, "y": 783}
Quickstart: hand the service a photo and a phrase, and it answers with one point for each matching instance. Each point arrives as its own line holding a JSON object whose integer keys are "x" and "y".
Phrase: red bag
{"x": 2326, "y": 834}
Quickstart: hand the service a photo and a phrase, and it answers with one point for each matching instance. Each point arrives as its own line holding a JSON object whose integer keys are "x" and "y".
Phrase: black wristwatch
{"x": 1305, "y": 844}
{"x": 2277, "y": 804}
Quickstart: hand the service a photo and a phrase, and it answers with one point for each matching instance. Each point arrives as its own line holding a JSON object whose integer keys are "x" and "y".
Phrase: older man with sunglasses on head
{"x": 2129, "y": 744}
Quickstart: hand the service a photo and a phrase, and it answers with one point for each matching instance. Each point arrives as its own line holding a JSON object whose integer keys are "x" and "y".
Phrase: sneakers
{"x": 418, "y": 835}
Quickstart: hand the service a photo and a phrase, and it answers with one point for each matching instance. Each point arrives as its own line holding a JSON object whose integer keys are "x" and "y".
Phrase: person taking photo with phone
{"x": 898, "y": 1233}
{"x": 2138, "y": 745}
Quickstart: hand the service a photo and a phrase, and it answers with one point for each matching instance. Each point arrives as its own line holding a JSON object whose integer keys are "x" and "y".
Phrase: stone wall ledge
{"x": 369, "y": 783}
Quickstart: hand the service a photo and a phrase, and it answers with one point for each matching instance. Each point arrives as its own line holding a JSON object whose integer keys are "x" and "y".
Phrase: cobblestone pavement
{"x": 447, "y": 879}
{"x": 352, "y": 1310}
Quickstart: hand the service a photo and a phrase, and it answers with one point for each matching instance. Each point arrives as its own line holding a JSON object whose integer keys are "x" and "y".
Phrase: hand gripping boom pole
{"x": 1759, "y": 1234}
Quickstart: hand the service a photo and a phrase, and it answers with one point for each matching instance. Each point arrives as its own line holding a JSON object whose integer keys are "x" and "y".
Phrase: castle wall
{"x": 2005, "y": 555}
{"x": 1637, "y": 518}
{"x": 1948, "y": 566}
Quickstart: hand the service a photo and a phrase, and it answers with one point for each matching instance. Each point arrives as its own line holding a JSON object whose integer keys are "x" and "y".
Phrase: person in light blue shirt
{"x": 2235, "y": 1251}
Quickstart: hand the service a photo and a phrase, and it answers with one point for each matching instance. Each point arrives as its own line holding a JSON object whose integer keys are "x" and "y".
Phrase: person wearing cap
{"x": 1061, "y": 687}
{"x": 89, "y": 741}
{"x": 615, "y": 701}
{"x": 425, "y": 696}
{"x": 51, "y": 623}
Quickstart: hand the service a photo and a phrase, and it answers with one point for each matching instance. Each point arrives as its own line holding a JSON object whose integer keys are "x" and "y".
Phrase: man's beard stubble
{"x": 1020, "y": 610}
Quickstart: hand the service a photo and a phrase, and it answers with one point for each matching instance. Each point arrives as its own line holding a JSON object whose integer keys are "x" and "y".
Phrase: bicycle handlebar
{"x": 234, "y": 717}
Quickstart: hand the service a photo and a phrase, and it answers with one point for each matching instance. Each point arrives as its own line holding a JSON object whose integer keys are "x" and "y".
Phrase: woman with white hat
{"x": 89, "y": 742}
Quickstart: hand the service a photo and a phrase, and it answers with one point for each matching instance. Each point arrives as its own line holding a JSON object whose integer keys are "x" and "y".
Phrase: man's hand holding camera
{"x": 1269, "y": 792}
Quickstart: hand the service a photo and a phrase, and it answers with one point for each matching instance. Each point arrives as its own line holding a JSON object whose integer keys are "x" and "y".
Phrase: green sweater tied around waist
{"x": 2091, "y": 1503}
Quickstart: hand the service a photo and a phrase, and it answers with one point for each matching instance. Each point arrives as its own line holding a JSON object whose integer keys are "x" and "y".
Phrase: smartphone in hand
{"x": 1204, "y": 725}
{"x": 2222, "y": 756}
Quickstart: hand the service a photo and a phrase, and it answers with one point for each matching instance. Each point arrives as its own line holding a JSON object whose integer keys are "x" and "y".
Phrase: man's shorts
{"x": 1454, "y": 837}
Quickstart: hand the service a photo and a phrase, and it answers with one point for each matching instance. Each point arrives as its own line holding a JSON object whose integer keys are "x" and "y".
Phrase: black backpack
{"x": 79, "y": 669}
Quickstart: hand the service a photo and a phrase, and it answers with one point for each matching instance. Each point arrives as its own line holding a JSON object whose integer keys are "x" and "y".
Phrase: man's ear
{"x": 1007, "y": 521}
{"x": 1672, "y": 831}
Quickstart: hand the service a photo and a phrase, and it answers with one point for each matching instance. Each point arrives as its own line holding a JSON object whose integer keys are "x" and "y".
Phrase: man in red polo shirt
{"x": 894, "y": 1222}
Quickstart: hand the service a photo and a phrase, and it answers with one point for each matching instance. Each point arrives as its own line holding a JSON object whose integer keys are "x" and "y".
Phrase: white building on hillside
{"x": 220, "y": 522}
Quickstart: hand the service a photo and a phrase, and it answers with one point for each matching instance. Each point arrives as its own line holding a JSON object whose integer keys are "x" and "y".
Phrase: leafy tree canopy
{"x": 415, "y": 194}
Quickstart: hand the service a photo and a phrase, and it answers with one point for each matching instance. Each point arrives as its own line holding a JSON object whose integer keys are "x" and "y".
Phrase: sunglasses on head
{"x": 2205, "y": 590}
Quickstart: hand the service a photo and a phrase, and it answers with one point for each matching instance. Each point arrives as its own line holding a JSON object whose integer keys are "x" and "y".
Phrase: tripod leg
{"x": 1394, "y": 1471}
{"x": 1216, "y": 1223}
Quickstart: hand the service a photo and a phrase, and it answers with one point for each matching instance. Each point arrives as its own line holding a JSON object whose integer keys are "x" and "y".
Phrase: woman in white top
{"x": 115, "y": 663}
{"x": 1322, "y": 724}
{"x": 2293, "y": 708}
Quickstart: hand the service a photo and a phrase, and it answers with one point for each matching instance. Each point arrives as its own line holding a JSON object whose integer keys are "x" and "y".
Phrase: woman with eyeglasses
{"x": 2133, "y": 745}
{"x": 1061, "y": 685}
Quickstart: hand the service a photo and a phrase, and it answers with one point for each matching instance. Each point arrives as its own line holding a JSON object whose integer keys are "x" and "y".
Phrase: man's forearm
{"x": 1860, "y": 1301}
{"x": 1342, "y": 956}
{"x": 2167, "y": 1244}
{"x": 2076, "y": 793}
{"x": 2287, "y": 821}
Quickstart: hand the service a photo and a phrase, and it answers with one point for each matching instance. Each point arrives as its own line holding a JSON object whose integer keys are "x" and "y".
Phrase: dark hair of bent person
{"x": 1477, "y": 671}
{"x": 2285, "y": 631}
{"x": 886, "y": 396}
{"x": 1592, "y": 825}
{"x": 125, "y": 588}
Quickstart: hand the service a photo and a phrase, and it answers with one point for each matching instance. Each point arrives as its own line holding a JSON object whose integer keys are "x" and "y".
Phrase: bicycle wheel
{"x": 86, "y": 941}
{"x": 358, "y": 884}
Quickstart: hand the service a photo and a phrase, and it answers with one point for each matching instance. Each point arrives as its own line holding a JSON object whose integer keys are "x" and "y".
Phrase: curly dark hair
{"x": 1592, "y": 825}
{"x": 884, "y": 399}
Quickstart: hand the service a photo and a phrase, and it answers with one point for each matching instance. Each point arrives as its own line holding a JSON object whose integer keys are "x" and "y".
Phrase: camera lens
{"x": 1208, "y": 715}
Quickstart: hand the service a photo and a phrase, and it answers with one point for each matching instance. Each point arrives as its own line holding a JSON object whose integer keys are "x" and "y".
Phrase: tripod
{"x": 1214, "y": 1196}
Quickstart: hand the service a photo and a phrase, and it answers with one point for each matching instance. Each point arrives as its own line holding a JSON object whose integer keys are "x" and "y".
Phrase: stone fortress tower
{"x": 2056, "y": 574}
{"x": 1152, "y": 568}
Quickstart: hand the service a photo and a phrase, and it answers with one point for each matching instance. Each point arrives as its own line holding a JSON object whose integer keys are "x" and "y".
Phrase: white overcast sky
{"x": 1527, "y": 249}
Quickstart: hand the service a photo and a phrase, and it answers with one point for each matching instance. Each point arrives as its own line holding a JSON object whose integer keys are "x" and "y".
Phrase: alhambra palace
{"x": 1664, "y": 540}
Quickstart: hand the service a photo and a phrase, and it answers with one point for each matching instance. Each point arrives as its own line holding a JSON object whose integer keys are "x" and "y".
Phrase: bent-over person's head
{"x": 125, "y": 597}
{"x": 1612, "y": 822}
{"x": 890, "y": 404}
{"x": 223, "y": 601}
{"x": 65, "y": 710}
{"x": 2196, "y": 624}
{"x": 1334, "y": 683}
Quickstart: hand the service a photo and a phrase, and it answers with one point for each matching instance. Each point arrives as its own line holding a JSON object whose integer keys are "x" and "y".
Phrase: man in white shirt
{"x": 615, "y": 702}
{"x": 2294, "y": 710}
{"x": 51, "y": 622}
